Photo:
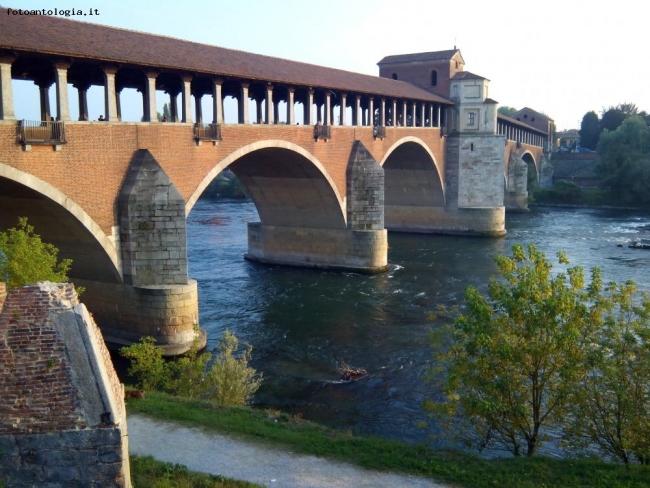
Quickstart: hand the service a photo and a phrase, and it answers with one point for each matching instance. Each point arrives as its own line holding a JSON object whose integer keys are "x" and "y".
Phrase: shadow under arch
{"x": 412, "y": 176}
{"x": 533, "y": 170}
{"x": 289, "y": 186}
{"x": 60, "y": 221}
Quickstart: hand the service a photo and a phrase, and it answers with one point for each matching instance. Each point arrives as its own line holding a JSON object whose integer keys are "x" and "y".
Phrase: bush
{"x": 25, "y": 259}
{"x": 224, "y": 378}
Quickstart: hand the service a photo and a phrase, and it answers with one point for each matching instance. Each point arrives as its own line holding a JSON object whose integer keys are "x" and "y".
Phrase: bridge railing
{"x": 207, "y": 132}
{"x": 40, "y": 132}
{"x": 322, "y": 132}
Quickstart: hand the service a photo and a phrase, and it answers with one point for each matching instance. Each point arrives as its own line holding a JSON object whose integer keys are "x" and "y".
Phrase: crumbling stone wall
{"x": 62, "y": 415}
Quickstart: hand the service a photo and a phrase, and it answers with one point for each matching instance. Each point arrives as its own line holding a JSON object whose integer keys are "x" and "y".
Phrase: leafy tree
{"x": 589, "y": 131}
{"x": 507, "y": 111}
{"x": 26, "y": 259}
{"x": 516, "y": 355}
{"x": 625, "y": 161}
{"x": 225, "y": 377}
{"x": 612, "y": 118}
{"x": 612, "y": 403}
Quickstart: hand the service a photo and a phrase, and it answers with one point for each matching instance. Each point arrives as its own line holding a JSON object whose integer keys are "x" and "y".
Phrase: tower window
{"x": 434, "y": 78}
{"x": 471, "y": 118}
{"x": 394, "y": 76}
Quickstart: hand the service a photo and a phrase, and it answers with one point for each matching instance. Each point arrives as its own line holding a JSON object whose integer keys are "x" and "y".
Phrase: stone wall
{"x": 62, "y": 415}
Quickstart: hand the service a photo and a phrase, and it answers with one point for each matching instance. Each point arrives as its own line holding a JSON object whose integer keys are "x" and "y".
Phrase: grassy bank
{"x": 460, "y": 469}
{"x": 146, "y": 472}
{"x": 569, "y": 194}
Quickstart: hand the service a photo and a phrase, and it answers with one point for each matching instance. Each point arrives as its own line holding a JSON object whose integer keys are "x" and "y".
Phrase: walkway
{"x": 257, "y": 463}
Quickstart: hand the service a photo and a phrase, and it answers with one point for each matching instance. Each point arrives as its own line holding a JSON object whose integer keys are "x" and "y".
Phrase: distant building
{"x": 567, "y": 141}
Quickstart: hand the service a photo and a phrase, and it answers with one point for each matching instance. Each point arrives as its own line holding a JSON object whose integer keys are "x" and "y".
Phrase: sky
{"x": 561, "y": 58}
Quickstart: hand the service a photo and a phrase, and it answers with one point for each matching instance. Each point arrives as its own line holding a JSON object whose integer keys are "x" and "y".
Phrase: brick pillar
{"x": 6, "y": 92}
{"x": 110, "y": 95}
{"x": 62, "y": 103}
{"x": 151, "y": 114}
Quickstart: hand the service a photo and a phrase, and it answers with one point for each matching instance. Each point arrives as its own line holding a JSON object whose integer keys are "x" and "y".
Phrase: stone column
{"x": 431, "y": 115}
{"x": 269, "y": 103}
{"x": 217, "y": 101}
{"x": 404, "y": 114}
{"x": 291, "y": 115}
{"x": 394, "y": 113}
{"x": 309, "y": 106}
{"x": 82, "y": 91}
{"x": 422, "y": 121}
{"x": 357, "y": 111}
{"x": 62, "y": 103}
{"x": 343, "y": 108}
{"x": 6, "y": 93}
{"x": 276, "y": 112}
{"x": 44, "y": 94}
{"x": 328, "y": 108}
{"x": 371, "y": 112}
{"x": 118, "y": 104}
{"x": 151, "y": 114}
{"x": 173, "y": 106}
{"x": 414, "y": 118}
{"x": 198, "y": 108}
{"x": 186, "y": 100}
{"x": 243, "y": 103}
{"x": 259, "y": 117}
{"x": 382, "y": 113}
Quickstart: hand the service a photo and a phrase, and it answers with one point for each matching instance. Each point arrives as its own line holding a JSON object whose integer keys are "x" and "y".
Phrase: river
{"x": 303, "y": 323}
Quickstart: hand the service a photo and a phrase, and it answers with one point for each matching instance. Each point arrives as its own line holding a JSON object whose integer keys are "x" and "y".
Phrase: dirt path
{"x": 258, "y": 463}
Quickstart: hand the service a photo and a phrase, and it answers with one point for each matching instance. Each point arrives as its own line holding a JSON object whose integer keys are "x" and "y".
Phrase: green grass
{"x": 457, "y": 468}
{"x": 146, "y": 472}
{"x": 569, "y": 194}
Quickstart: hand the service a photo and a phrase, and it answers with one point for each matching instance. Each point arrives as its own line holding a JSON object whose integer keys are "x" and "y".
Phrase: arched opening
{"x": 58, "y": 226}
{"x": 412, "y": 178}
{"x": 394, "y": 76}
{"x": 533, "y": 175}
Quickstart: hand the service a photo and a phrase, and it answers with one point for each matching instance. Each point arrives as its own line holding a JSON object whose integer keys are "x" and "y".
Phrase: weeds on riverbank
{"x": 460, "y": 469}
{"x": 146, "y": 472}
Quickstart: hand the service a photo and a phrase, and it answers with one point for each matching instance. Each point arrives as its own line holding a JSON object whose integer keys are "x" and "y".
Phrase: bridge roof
{"x": 81, "y": 40}
{"x": 510, "y": 120}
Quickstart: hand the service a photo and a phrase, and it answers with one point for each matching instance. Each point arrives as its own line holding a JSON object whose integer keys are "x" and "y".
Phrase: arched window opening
{"x": 434, "y": 78}
{"x": 394, "y": 76}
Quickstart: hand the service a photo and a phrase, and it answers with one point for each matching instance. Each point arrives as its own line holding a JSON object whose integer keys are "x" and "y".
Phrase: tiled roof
{"x": 510, "y": 120}
{"x": 409, "y": 58}
{"x": 466, "y": 75}
{"x": 81, "y": 40}
{"x": 532, "y": 112}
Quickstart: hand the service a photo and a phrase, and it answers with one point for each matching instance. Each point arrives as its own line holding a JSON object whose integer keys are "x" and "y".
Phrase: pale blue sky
{"x": 562, "y": 58}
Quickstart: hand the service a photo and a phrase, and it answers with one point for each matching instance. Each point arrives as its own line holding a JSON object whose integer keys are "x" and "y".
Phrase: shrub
{"x": 224, "y": 378}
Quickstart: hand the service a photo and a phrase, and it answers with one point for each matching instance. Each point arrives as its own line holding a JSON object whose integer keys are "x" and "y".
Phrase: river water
{"x": 304, "y": 323}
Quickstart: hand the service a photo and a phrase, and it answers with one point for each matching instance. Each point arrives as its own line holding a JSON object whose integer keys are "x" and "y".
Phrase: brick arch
{"x": 412, "y": 175}
{"x": 299, "y": 188}
{"x": 91, "y": 250}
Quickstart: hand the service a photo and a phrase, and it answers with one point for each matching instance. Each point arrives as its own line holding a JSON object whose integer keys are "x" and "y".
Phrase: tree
{"x": 26, "y": 259}
{"x": 507, "y": 111}
{"x": 625, "y": 161}
{"x": 516, "y": 355}
{"x": 612, "y": 118}
{"x": 612, "y": 403}
{"x": 589, "y": 131}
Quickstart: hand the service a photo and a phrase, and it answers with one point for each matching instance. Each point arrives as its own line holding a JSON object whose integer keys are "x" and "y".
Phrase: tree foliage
{"x": 507, "y": 111}
{"x": 611, "y": 405}
{"x": 224, "y": 378}
{"x": 625, "y": 161}
{"x": 589, "y": 131}
{"x": 26, "y": 259}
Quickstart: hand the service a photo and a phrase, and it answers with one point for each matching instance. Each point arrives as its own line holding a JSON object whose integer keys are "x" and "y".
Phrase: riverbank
{"x": 461, "y": 469}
